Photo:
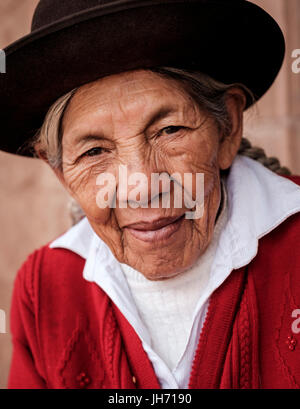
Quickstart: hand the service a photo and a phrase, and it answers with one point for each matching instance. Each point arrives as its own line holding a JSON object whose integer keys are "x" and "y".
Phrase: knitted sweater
{"x": 68, "y": 334}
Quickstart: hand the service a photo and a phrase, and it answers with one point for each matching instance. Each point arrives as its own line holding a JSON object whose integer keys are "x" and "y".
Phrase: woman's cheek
{"x": 83, "y": 185}
{"x": 80, "y": 177}
{"x": 95, "y": 200}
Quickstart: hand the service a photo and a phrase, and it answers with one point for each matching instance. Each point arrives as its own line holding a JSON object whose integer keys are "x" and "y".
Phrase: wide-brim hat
{"x": 73, "y": 42}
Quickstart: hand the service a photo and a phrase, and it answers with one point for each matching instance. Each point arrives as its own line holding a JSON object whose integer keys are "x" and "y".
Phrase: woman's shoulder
{"x": 276, "y": 266}
{"x": 50, "y": 269}
{"x": 294, "y": 178}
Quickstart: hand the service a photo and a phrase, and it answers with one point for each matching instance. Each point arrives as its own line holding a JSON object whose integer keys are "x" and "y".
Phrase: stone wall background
{"x": 33, "y": 205}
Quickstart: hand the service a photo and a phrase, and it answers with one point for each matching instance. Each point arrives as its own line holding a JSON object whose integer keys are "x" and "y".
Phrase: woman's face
{"x": 148, "y": 124}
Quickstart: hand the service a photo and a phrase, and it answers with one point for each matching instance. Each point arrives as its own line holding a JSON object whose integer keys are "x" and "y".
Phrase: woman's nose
{"x": 140, "y": 184}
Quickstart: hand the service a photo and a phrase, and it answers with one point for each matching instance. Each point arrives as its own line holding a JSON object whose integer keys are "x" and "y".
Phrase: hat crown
{"x": 51, "y": 11}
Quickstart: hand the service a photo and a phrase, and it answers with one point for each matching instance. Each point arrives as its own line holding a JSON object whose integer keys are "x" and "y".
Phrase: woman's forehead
{"x": 127, "y": 83}
{"x": 124, "y": 90}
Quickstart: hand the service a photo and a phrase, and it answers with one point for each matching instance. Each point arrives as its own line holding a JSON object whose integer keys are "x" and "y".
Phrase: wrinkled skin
{"x": 117, "y": 110}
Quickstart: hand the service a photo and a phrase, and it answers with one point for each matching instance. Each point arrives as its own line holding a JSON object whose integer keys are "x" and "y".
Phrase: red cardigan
{"x": 68, "y": 334}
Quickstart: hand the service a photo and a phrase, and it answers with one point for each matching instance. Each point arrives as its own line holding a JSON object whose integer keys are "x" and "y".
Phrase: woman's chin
{"x": 156, "y": 267}
{"x": 165, "y": 257}
{"x": 160, "y": 275}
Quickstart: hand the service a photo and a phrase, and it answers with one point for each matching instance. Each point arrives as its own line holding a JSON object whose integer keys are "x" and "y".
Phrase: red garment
{"x": 68, "y": 334}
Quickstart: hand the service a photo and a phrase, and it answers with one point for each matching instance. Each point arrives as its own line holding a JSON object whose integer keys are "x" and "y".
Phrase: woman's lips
{"x": 160, "y": 229}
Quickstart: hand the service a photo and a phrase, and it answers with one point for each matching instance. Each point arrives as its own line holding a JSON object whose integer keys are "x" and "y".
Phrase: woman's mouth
{"x": 160, "y": 229}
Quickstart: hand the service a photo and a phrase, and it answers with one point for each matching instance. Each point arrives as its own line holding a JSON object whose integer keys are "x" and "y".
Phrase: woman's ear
{"x": 60, "y": 176}
{"x": 41, "y": 154}
{"x": 230, "y": 143}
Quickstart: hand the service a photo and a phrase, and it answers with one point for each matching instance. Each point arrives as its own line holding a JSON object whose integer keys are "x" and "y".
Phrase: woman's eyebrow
{"x": 160, "y": 114}
{"x": 153, "y": 117}
{"x": 83, "y": 138}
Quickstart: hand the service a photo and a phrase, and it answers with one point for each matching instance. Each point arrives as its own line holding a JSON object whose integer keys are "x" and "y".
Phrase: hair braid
{"x": 256, "y": 153}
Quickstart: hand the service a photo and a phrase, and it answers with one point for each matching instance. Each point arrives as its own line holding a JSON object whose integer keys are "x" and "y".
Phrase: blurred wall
{"x": 274, "y": 124}
{"x": 33, "y": 206}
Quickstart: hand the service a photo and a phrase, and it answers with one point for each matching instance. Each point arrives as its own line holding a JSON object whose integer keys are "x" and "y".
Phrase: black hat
{"x": 73, "y": 42}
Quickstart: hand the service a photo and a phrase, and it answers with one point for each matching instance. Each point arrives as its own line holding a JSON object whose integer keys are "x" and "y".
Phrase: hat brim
{"x": 231, "y": 41}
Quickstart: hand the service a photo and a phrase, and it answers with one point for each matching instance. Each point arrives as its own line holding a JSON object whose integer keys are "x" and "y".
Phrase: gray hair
{"x": 207, "y": 92}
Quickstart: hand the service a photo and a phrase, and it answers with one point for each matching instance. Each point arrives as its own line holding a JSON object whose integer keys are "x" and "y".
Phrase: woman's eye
{"x": 171, "y": 129}
{"x": 93, "y": 152}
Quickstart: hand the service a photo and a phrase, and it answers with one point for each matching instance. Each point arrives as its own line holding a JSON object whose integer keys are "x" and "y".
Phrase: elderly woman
{"x": 142, "y": 292}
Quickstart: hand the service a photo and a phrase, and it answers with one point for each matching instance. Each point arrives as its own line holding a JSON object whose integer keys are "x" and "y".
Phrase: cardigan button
{"x": 83, "y": 380}
{"x": 291, "y": 342}
{"x": 86, "y": 380}
{"x": 134, "y": 379}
